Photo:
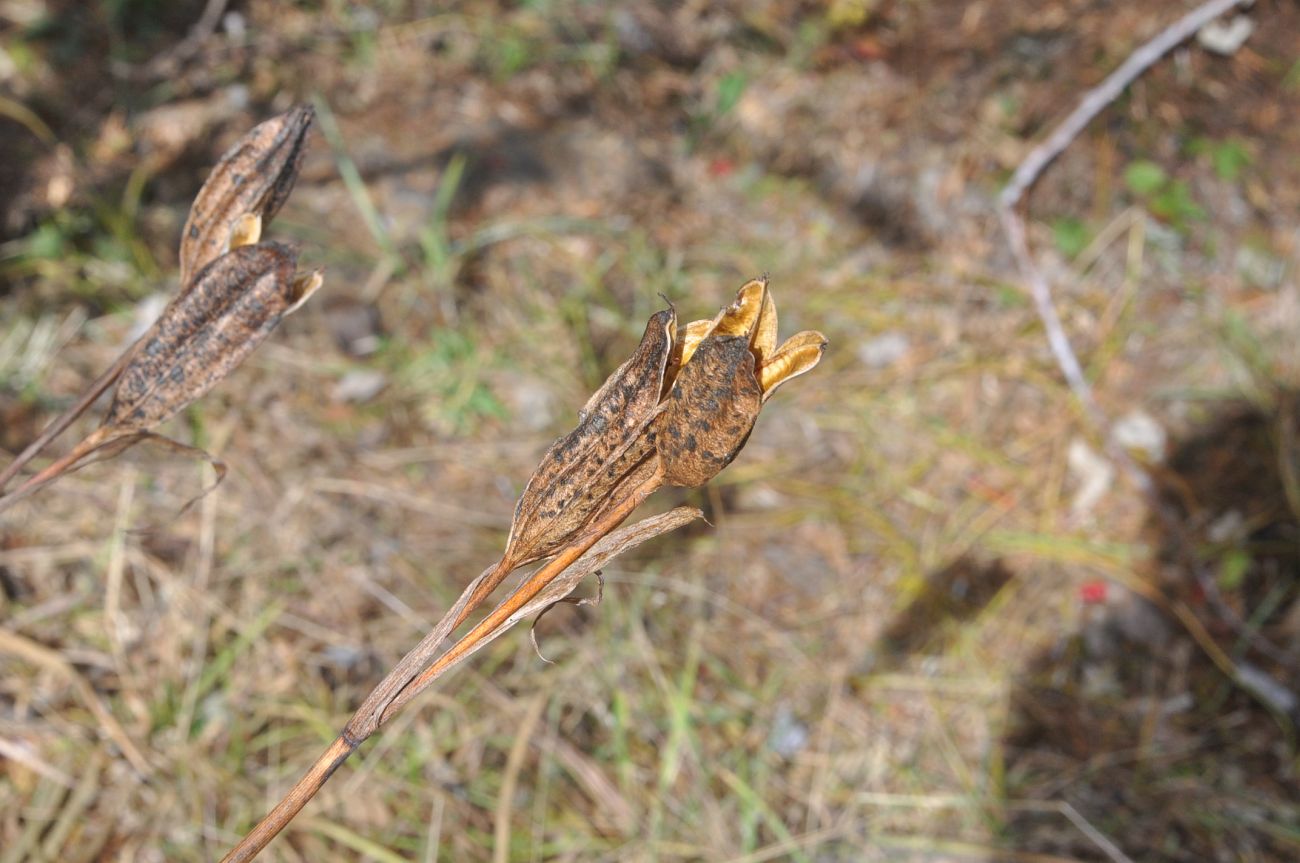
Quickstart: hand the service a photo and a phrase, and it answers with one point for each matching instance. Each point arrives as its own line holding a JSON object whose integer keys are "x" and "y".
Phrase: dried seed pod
{"x": 233, "y": 293}
{"x": 254, "y": 177}
{"x": 586, "y": 473}
{"x": 710, "y": 411}
{"x": 677, "y": 412}
{"x": 688, "y": 338}
{"x": 204, "y": 334}
{"x": 581, "y": 470}
{"x": 729, "y": 367}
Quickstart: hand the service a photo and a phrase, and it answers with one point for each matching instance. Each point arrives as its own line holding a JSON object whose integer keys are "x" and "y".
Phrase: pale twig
{"x": 1028, "y": 172}
{"x": 1099, "y": 97}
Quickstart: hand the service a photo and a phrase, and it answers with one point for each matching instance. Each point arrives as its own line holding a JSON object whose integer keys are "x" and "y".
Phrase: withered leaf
{"x": 798, "y": 354}
{"x": 254, "y": 177}
{"x": 235, "y": 302}
{"x": 581, "y": 470}
{"x": 710, "y": 411}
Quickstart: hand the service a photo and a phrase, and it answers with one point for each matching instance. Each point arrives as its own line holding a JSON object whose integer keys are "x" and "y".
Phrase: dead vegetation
{"x": 908, "y": 635}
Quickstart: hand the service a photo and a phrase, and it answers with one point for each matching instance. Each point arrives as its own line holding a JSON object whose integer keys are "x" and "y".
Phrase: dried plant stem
{"x": 1098, "y": 98}
{"x": 56, "y": 428}
{"x": 517, "y": 600}
{"x": 97, "y": 440}
{"x": 1028, "y": 172}
{"x": 406, "y": 681}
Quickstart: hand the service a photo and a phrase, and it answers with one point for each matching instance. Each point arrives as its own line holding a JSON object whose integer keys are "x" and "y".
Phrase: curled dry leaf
{"x": 254, "y": 177}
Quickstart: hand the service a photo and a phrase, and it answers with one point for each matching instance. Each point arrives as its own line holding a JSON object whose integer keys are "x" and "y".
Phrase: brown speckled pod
{"x": 710, "y": 411}
{"x": 207, "y": 332}
{"x": 581, "y": 470}
{"x": 728, "y": 368}
{"x": 254, "y": 177}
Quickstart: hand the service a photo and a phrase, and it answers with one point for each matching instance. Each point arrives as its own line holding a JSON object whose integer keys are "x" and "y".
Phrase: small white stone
{"x": 1139, "y": 432}
{"x": 359, "y": 385}
{"x": 1270, "y": 691}
{"x": 530, "y": 401}
{"x": 1225, "y": 39}
{"x": 884, "y": 350}
{"x": 1260, "y": 268}
{"x": 1229, "y": 527}
{"x": 1092, "y": 474}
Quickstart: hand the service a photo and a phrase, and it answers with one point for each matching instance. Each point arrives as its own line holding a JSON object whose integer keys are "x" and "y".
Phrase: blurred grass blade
{"x": 352, "y": 178}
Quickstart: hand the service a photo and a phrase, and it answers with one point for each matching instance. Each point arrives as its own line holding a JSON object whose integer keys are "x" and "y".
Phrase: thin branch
{"x": 1026, "y": 174}
{"x": 1097, "y": 99}
{"x": 1092, "y": 104}
{"x": 54, "y": 429}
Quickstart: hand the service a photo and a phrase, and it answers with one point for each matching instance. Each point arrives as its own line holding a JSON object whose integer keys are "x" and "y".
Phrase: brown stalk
{"x": 401, "y": 684}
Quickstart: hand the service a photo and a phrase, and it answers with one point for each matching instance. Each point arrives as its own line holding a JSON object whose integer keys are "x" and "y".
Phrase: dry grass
{"x": 886, "y": 647}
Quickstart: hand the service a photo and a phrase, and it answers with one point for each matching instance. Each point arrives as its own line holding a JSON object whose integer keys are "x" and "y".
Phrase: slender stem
{"x": 96, "y": 439}
{"x": 65, "y": 419}
{"x": 1099, "y": 97}
{"x": 401, "y": 684}
{"x": 522, "y": 595}
{"x": 365, "y": 721}
{"x": 1028, "y": 172}
{"x": 293, "y": 802}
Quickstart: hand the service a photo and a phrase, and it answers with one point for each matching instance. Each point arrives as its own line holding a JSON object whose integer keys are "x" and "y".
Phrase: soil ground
{"x": 928, "y": 619}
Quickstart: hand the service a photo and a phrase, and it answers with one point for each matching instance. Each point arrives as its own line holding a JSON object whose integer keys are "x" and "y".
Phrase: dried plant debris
{"x": 235, "y": 290}
{"x": 204, "y": 334}
{"x": 676, "y": 413}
